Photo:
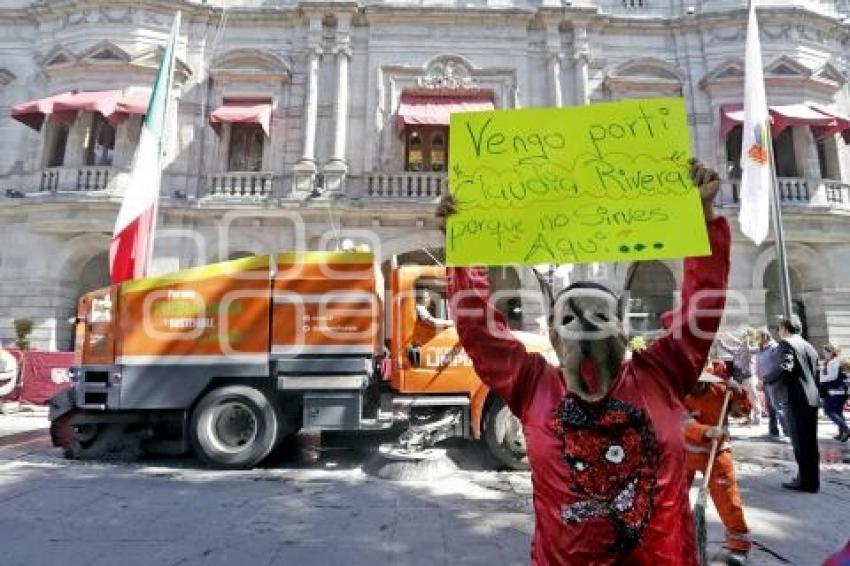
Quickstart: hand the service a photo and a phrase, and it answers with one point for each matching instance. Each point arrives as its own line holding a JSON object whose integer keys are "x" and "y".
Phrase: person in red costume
{"x": 603, "y": 433}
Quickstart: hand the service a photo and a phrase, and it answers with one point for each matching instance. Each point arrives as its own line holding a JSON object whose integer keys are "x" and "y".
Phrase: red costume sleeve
{"x": 680, "y": 354}
{"x": 500, "y": 360}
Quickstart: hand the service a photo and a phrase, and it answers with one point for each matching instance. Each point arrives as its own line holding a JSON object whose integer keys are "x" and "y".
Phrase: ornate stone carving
{"x": 721, "y": 35}
{"x": 448, "y": 72}
{"x": 785, "y": 66}
{"x": 59, "y": 56}
{"x": 252, "y": 65}
{"x": 105, "y": 51}
{"x": 645, "y": 76}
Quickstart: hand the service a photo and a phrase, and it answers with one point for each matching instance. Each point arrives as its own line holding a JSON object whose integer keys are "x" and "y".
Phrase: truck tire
{"x": 504, "y": 437}
{"x": 234, "y": 427}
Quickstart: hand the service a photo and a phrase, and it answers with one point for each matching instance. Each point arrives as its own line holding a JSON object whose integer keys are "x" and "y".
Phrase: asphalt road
{"x": 337, "y": 511}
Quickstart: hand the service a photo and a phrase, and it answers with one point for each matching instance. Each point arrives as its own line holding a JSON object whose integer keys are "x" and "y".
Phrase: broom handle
{"x": 716, "y": 442}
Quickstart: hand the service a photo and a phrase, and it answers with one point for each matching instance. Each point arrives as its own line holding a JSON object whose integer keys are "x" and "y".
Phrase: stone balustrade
{"x": 86, "y": 179}
{"x": 796, "y": 191}
{"x": 404, "y": 185}
{"x": 249, "y": 185}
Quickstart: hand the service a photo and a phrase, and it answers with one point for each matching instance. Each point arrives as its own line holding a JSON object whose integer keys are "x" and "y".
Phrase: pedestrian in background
{"x": 766, "y": 362}
{"x": 833, "y": 390}
{"x": 795, "y": 381}
{"x": 742, "y": 369}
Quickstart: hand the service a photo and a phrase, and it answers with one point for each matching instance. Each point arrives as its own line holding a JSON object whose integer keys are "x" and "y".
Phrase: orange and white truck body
{"x": 312, "y": 331}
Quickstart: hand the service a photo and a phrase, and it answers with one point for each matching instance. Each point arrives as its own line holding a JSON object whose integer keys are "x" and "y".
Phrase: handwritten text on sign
{"x": 605, "y": 182}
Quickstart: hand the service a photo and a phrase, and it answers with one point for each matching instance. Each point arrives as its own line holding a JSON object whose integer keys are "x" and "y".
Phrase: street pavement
{"x": 334, "y": 511}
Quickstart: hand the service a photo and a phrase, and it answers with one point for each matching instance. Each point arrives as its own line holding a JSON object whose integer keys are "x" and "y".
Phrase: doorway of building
{"x": 773, "y": 297}
{"x": 652, "y": 291}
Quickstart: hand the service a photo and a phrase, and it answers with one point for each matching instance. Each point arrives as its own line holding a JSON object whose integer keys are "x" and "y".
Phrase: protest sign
{"x": 604, "y": 182}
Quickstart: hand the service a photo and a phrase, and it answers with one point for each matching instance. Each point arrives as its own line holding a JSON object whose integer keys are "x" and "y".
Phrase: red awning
{"x": 114, "y": 105}
{"x": 243, "y": 112}
{"x": 841, "y": 125}
{"x": 135, "y": 103}
{"x": 797, "y": 115}
{"x": 435, "y": 110}
{"x": 781, "y": 116}
{"x": 730, "y": 116}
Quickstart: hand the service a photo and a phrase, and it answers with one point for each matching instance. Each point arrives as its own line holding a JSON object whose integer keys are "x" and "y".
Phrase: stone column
{"x": 337, "y": 168}
{"x": 305, "y": 169}
{"x": 557, "y": 97}
{"x": 581, "y": 57}
{"x": 554, "y": 50}
{"x": 341, "y": 110}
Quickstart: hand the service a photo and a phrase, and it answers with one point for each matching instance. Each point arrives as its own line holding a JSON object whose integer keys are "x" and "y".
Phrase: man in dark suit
{"x": 794, "y": 383}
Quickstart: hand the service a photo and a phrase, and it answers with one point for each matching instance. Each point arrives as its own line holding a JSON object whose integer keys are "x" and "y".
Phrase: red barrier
{"x": 41, "y": 375}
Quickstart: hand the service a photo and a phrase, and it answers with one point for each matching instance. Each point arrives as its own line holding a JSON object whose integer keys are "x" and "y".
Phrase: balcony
{"x": 241, "y": 185}
{"x": 826, "y": 7}
{"x": 638, "y": 8}
{"x": 402, "y": 186}
{"x": 797, "y": 192}
{"x": 667, "y": 8}
{"x": 86, "y": 179}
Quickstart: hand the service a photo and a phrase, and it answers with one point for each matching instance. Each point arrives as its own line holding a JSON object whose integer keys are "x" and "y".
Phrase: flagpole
{"x": 779, "y": 233}
{"x": 175, "y": 30}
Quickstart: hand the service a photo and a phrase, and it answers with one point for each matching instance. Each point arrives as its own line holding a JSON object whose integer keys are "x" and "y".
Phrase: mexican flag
{"x": 132, "y": 239}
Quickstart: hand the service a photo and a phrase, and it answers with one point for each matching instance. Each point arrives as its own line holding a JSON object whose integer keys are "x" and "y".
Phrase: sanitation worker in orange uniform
{"x": 704, "y": 405}
{"x": 604, "y": 434}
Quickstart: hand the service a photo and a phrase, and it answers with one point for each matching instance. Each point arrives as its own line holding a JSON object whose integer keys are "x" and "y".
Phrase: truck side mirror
{"x": 414, "y": 354}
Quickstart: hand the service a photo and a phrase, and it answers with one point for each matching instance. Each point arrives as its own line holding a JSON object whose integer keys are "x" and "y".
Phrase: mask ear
{"x": 548, "y": 296}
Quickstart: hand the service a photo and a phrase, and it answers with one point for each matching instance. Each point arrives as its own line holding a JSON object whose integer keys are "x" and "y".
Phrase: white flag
{"x": 755, "y": 150}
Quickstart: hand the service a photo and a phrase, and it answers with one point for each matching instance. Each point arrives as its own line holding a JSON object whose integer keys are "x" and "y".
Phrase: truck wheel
{"x": 504, "y": 437}
{"x": 234, "y": 427}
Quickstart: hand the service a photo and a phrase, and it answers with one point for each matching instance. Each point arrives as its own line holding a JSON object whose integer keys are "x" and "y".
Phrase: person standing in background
{"x": 742, "y": 360}
{"x": 795, "y": 382}
{"x": 765, "y": 364}
{"x": 834, "y": 391}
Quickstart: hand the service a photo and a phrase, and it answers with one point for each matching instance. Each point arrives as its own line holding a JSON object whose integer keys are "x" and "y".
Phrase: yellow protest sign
{"x": 604, "y": 182}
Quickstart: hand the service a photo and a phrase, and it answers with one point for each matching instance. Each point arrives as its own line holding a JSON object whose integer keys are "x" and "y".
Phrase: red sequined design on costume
{"x": 612, "y": 455}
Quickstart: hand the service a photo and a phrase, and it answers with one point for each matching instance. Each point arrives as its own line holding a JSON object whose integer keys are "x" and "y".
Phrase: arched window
{"x": 94, "y": 274}
{"x": 652, "y": 289}
{"x": 504, "y": 285}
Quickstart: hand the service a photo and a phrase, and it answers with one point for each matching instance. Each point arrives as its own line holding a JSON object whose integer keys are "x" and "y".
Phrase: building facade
{"x": 299, "y": 124}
